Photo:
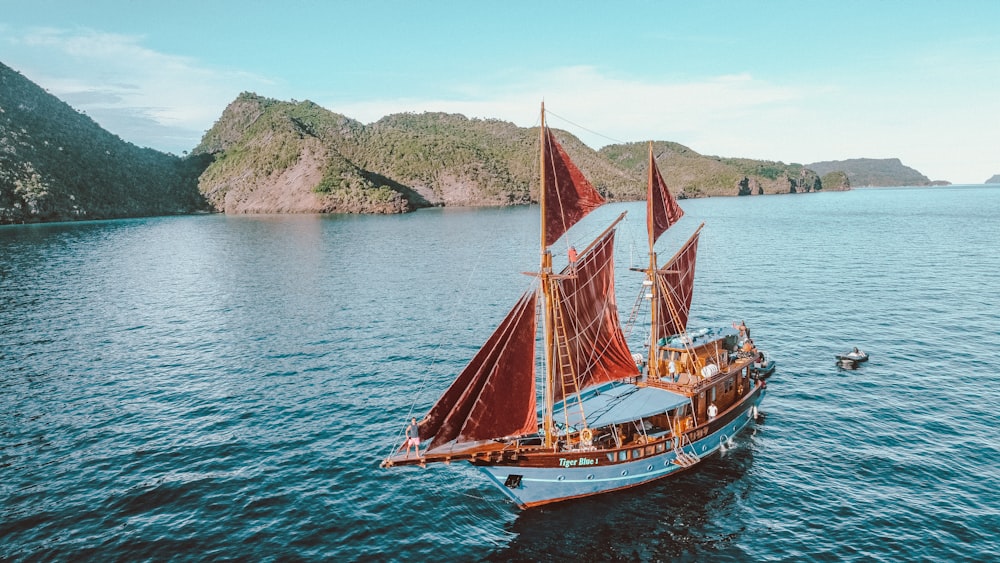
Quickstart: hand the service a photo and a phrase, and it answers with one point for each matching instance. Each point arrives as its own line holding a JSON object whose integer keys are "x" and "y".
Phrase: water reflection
{"x": 690, "y": 515}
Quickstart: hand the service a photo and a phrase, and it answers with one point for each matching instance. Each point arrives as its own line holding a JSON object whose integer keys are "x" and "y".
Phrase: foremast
{"x": 662, "y": 212}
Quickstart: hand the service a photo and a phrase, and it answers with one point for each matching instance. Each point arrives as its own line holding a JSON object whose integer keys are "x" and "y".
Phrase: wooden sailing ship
{"x": 607, "y": 422}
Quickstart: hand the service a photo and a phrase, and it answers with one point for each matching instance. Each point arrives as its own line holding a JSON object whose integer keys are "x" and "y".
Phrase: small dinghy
{"x": 853, "y": 358}
{"x": 763, "y": 365}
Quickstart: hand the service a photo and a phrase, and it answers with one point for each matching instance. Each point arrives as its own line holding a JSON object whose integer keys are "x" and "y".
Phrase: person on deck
{"x": 744, "y": 331}
{"x": 413, "y": 437}
{"x": 712, "y": 411}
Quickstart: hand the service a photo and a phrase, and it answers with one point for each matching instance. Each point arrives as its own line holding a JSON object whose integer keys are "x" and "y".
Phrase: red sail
{"x": 494, "y": 396}
{"x": 676, "y": 288}
{"x": 587, "y": 325}
{"x": 662, "y": 210}
{"x": 569, "y": 197}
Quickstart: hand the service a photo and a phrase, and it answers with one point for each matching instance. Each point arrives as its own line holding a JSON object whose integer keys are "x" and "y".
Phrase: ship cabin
{"x": 711, "y": 366}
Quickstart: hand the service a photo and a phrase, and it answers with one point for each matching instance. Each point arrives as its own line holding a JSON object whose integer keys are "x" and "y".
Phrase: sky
{"x": 791, "y": 81}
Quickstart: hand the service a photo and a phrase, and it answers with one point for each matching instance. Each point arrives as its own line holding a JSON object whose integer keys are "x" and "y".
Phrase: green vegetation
{"x": 691, "y": 175}
{"x": 57, "y": 164}
{"x": 836, "y": 181}
{"x": 257, "y": 140}
{"x": 427, "y": 159}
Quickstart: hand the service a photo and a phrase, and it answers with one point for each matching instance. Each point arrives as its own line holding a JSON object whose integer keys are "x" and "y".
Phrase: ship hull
{"x": 594, "y": 473}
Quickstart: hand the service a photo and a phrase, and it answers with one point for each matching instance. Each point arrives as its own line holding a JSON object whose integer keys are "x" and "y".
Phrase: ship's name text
{"x": 563, "y": 462}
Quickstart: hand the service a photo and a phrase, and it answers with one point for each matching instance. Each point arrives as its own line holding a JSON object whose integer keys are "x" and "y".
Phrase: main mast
{"x": 545, "y": 273}
{"x": 652, "y": 363}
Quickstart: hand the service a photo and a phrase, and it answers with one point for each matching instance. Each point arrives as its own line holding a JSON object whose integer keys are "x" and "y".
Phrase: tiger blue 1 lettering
{"x": 563, "y": 462}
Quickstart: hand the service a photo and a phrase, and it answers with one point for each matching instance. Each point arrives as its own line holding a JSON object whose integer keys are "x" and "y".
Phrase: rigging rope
{"x": 400, "y": 434}
{"x": 578, "y": 126}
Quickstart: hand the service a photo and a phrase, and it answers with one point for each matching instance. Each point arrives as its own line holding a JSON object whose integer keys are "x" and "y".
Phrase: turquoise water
{"x": 215, "y": 387}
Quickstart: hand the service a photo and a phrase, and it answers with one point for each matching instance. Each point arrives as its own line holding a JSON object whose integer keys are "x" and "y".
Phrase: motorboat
{"x": 853, "y": 358}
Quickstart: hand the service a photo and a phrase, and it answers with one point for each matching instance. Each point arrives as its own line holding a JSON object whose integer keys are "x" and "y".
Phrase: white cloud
{"x": 146, "y": 97}
{"x": 613, "y": 109}
{"x": 943, "y": 128}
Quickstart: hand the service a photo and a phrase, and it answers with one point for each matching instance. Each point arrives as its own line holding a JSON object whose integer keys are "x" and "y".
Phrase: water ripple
{"x": 200, "y": 388}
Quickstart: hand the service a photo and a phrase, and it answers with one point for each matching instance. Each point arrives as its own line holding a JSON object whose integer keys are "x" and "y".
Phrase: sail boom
{"x": 592, "y": 337}
{"x": 604, "y": 232}
{"x": 675, "y": 290}
{"x": 681, "y": 249}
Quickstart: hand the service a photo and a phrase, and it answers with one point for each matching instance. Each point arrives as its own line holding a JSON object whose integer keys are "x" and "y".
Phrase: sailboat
{"x": 607, "y": 421}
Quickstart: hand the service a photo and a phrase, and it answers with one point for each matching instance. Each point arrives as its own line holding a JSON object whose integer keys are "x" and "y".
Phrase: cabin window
{"x": 611, "y": 456}
{"x": 712, "y": 394}
{"x": 660, "y": 447}
{"x": 637, "y": 453}
{"x": 650, "y": 450}
{"x": 623, "y": 455}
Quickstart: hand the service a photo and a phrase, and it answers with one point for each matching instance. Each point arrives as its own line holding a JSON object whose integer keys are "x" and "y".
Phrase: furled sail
{"x": 494, "y": 396}
{"x": 569, "y": 196}
{"x": 675, "y": 283}
{"x": 662, "y": 210}
{"x": 587, "y": 329}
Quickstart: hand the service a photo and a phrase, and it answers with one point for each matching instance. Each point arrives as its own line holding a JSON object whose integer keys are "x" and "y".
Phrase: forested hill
{"x": 297, "y": 156}
{"x": 269, "y": 156}
{"x": 275, "y": 156}
{"x": 57, "y": 164}
{"x": 874, "y": 172}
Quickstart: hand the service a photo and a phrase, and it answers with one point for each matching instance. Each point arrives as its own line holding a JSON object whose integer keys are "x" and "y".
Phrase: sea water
{"x": 216, "y": 388}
